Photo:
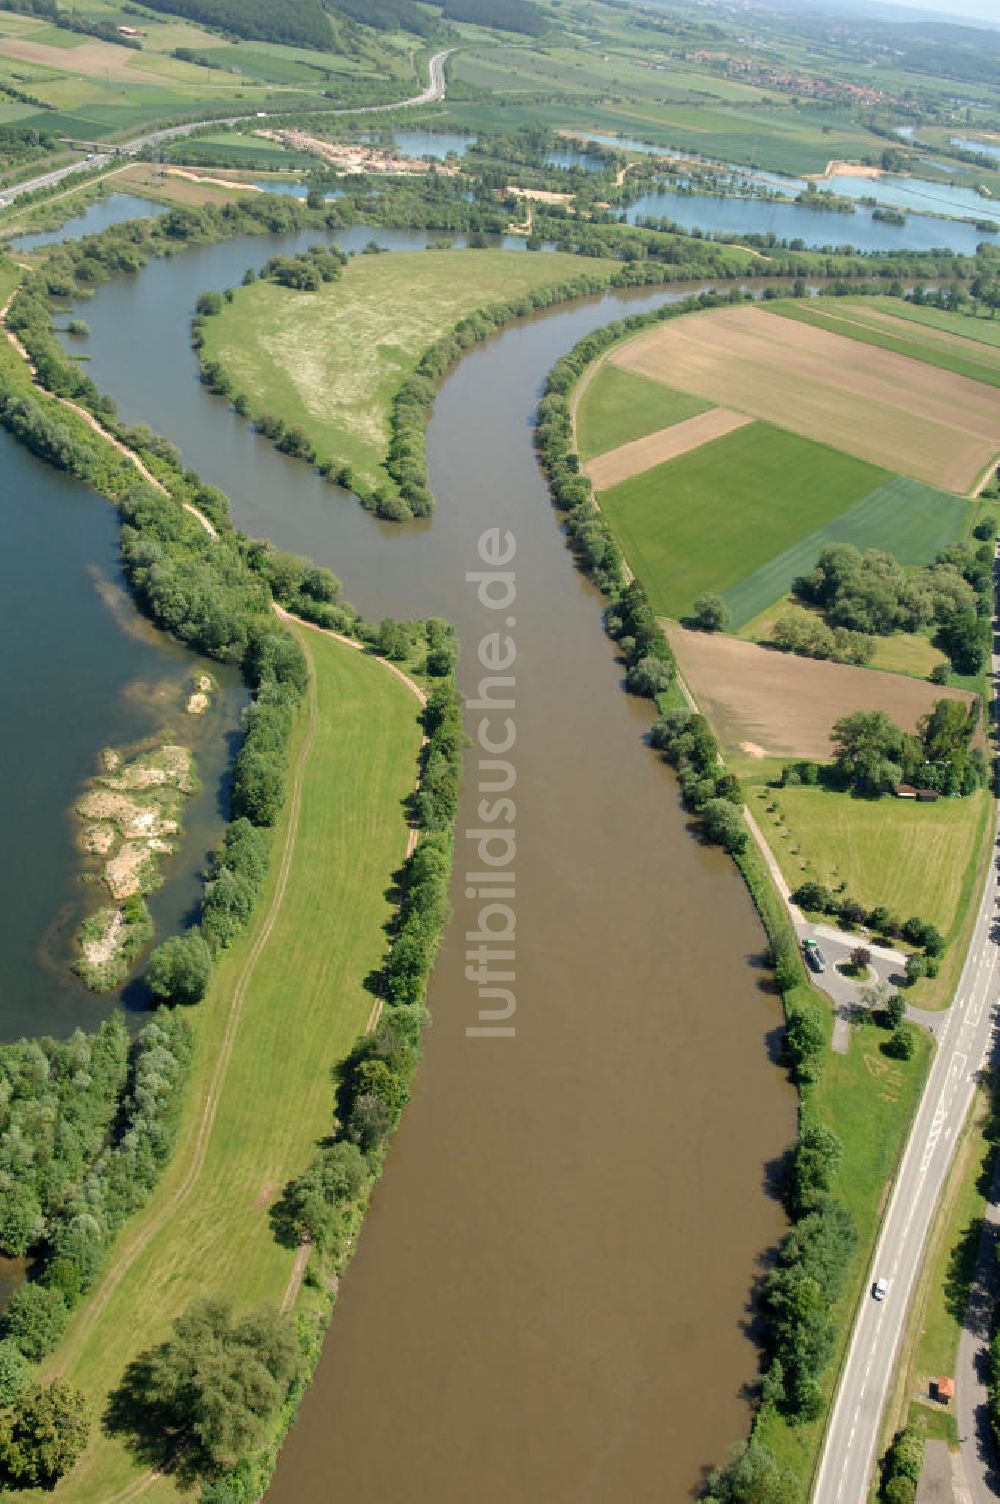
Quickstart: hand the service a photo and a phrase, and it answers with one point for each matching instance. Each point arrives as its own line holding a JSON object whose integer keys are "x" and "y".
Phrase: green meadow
{"x": 618, "y": 406}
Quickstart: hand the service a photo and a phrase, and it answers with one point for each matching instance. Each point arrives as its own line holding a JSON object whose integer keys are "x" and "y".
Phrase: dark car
{"x": 814, "y": 955}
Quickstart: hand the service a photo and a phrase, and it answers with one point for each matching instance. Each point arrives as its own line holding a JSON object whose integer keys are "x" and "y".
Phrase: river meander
{"x": 549, "y": 1301}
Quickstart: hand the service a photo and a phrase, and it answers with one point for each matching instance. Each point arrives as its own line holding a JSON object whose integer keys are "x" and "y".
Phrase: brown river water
{"x": 549, "y": 1301}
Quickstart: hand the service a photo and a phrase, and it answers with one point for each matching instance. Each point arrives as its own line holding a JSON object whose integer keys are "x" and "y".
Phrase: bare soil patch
{"x": 785, "y": 705}
{"x": 886, "y": 408}
{"x": 666, "y": 444}
{"x": 93, "y": 59}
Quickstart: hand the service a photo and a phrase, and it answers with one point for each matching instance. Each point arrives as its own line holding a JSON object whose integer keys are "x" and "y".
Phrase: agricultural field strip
{"x": 903, "y": 517}
{"x": 935, "y": 347}
{"x": 613, "y": 407}
{"x": 897, "y": 412}
{"x": 620, "y": 464}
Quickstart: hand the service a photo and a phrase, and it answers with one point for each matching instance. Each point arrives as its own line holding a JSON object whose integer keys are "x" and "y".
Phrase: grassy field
{"x": 331, "y": 361}
{"x": 207, "y": 1229}
{"x": 619, "y": 406}
{"x": 945, "y": 346}
{"x": 915, "y": 858}
{"x": 709, "y": 519}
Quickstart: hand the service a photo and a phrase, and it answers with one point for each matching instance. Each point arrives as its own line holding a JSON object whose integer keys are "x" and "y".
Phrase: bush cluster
{"x": 75, "y": 1236}
{"x": 59, "y": 1099}
{"x": 903, "y": 1465}
{"x": 799, "y": 1296}
{"x": 819, "y": 899}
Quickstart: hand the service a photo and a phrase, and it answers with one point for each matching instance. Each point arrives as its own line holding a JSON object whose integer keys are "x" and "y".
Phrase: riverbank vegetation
{"x": 215, "y": 589}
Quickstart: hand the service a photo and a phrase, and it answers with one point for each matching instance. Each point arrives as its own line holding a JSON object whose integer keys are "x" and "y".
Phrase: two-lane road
{"x": 433, "y": 94}
{"x": 963, "y": 1045}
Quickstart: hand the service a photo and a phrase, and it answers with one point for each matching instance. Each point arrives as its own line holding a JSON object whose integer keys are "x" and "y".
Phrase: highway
{"x": 963, "y": 1044}
{"x": 433, "y": 94}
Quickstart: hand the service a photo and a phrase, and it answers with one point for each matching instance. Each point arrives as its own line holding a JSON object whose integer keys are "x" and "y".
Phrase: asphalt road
{"x": 434, "y": 93}
{"x": 963, "y": 1044}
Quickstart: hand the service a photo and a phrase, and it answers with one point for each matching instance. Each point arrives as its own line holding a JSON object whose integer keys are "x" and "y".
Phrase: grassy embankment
{"x": 285, "y": 1005}
{"x": 331, "y": 362}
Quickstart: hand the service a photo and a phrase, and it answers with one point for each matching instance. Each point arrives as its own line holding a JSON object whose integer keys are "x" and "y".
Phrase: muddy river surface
{"x": 549, "y": 1300}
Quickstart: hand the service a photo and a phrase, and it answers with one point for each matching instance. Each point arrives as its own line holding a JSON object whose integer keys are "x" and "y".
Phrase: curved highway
{"x": 963, "y": 1045}
{"x": 433, "y": 94}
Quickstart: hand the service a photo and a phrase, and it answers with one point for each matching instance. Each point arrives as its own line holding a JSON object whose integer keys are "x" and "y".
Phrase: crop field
{"x": 881, "y": 406}
{"x": 207, "y": 1229}
{"x": 618, "y": 406}
{"x": 944, "y": 347}
{"x": 708, "y": 519}
{"x": 905, "y": 518}
{"x": 783, "y": 705}
{"x": 621, "y": 464}
{"x": 331, "y": 361}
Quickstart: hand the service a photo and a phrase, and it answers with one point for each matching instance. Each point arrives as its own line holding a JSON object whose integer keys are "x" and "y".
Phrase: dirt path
{"x": 296, "y": 1277}
{"x": 666, "y": 444}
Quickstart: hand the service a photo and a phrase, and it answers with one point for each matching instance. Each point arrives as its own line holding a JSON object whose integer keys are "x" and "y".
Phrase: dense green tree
{"x": 753, "y": 1477}
{"x": 724, "y": 824}
{"x": 312, "y": 1208}
{"x": 649, "y": 676}
{"x": 212, "y": 1391}
{"x": 816, "y": 1158}
{"x": 42, "y": 1433}
{"x": 15, "y": 1371}
{"x": 180, "y": 969}
{"x": 35, "y": 1319}
{"x": 711, "y": 613}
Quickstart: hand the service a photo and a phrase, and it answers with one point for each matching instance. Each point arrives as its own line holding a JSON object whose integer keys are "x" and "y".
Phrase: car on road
{"x": 880, "y": 1288}
{"x": 814, "y": 956}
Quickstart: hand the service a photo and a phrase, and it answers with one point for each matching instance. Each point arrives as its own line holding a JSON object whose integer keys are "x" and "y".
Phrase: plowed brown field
{"x": 666, "y": 444}
{"x": 787, "y": 705}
